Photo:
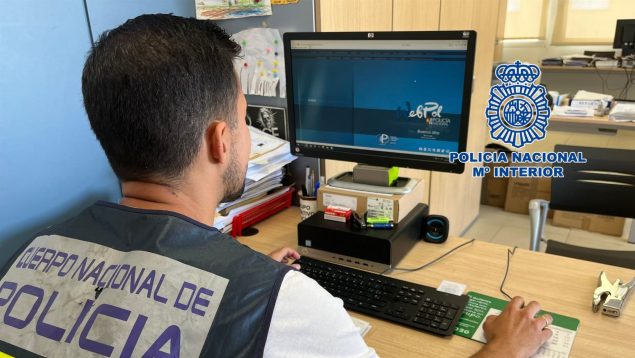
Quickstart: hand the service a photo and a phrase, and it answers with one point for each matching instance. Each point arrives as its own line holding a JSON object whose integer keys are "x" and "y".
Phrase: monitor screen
{"x": 383, "y": 98}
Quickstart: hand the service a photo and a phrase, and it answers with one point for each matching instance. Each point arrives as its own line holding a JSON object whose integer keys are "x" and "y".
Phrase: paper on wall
{"x": 231, "y": 9}
{"x": 260, "y": 66}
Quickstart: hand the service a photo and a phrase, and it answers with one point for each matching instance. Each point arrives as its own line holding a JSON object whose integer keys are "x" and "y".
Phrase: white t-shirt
{"x": 308, "y": 322}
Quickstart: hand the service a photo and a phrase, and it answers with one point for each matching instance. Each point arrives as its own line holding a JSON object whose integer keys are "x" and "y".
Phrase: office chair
{"x": 604, "y": 185}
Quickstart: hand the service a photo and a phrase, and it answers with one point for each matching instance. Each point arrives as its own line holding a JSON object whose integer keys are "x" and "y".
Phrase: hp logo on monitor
{"x": 371, "y": 35}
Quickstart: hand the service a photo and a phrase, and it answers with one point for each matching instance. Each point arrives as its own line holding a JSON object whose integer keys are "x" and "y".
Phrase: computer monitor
{"x": 625, "y": 36}
{"x": 380, "y": 98}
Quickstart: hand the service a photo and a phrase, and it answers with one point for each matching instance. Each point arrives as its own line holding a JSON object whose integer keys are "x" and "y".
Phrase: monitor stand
{"x": 401, "y": 185}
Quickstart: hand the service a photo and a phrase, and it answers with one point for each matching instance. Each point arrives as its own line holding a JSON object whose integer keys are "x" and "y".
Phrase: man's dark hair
{"x": 152, "y": 86}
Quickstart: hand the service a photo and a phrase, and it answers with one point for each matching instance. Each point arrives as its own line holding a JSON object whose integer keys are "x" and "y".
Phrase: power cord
{"x": 510, "y": 253}
{"x": 431, "y": 262}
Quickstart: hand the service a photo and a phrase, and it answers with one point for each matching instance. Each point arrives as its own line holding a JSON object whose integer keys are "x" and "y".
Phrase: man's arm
{"x": 308, "y": 322}
{"x": 516, "y": 332}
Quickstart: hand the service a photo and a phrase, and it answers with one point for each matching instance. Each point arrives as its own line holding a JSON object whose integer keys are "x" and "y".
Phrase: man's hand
{"x": 285, "y": 255}
{"x": 516, "y": 333}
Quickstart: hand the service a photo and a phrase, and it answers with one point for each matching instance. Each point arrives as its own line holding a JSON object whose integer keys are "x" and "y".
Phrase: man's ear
{"x": 216, "y": 138}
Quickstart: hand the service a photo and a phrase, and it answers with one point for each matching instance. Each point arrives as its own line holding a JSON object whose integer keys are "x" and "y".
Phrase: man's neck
{"x": 145, "y": 195}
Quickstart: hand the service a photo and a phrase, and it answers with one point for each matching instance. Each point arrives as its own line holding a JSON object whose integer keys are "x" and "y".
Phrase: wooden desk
{"x": 561, "y": 285}
{"x": 597, "y": 124}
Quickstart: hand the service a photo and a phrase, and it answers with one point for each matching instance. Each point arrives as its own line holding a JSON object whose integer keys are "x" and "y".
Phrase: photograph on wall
{"x": 231, "y": 9}
{"x": 271, "y": 120}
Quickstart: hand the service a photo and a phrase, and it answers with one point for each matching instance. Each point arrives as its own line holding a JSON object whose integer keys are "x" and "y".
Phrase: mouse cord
{"x": 510, "y": 253}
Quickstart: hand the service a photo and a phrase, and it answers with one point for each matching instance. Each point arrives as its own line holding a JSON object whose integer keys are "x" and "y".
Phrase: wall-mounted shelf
{"x": 583, "y": 69}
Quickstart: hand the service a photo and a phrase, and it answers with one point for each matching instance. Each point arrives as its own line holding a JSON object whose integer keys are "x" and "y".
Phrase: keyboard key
{"x": 423, "y": 322}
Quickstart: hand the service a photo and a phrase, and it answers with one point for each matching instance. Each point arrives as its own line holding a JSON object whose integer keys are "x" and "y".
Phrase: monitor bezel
{"x": 384, "y": 158}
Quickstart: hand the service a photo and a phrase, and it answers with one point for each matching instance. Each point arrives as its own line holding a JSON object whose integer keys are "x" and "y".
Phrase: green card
{"x": 480, "y": 306}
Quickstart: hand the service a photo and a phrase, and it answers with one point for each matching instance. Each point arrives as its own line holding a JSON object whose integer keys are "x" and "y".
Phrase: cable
{"x": 603, "y": 80}
{"x": 510, "y": 253}
{"x": 630, "y": 82}
{"x": 431, "y": 262}
{"x": 90, "y": 27}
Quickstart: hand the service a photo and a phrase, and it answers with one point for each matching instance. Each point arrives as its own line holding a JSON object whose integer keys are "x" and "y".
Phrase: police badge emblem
{"x": 518, "y": 112}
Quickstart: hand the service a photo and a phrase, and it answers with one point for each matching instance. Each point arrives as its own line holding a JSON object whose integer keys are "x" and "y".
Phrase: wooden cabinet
{"x": 416, "y": 15}
{"x": 453, "y": 195}
{"x": 458, "y": 196}
{"x": 354, "y": 15}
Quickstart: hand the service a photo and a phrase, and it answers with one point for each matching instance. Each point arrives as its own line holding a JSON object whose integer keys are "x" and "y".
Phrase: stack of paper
{"x": 599, "y": 102}
{"x": 623, "y": 112}
{"x": 566, "y": 111}
{"x": 265, "y": 172}
{"x": 577, "y": 60}
{"x": 552, "y": 61}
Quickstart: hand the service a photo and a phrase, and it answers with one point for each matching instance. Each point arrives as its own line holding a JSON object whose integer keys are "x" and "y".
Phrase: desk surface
{"x": 561, "y": 285}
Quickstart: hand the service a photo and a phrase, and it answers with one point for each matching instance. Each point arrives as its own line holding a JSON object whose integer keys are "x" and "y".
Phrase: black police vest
{"x": 119, "y": 281}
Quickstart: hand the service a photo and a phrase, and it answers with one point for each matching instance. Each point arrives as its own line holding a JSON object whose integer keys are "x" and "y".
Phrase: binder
{"x": 261, "y": 212}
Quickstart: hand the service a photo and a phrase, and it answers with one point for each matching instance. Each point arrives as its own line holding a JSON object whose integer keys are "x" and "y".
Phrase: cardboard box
{"x": 521, "y": 190}
{"x": 494, "y": 190}
{"x": 396, "y": 206}
{"x": 610, "y": 225}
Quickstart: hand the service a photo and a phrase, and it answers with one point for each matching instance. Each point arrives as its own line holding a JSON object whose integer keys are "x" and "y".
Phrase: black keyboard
{"x": 416, "y": 306}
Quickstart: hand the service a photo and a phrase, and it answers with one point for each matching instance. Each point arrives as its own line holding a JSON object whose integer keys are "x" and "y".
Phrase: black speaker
{"x": 435, "y": 228}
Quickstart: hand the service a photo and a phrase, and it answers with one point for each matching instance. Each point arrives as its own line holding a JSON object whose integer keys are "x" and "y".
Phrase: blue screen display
{"x": 405, "y": 101}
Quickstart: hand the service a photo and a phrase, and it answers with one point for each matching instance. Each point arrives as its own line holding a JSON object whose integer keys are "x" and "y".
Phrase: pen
{"x": 307, "y": 178}
{"x": 380, "y": 226}
{"x": 379, "y": 220}
{"x": 310, "y": 185}
{"x": 315, "y": 189}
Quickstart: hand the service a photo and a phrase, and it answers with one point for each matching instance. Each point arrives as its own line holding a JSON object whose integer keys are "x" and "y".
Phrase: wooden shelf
{"x": 583, "y": 69}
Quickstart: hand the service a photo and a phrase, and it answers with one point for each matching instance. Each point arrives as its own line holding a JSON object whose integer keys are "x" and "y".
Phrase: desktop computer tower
{"x": 376, "y": 250}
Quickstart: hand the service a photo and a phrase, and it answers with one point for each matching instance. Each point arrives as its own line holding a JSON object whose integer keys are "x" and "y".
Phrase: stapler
{"x": 358, "y": 222}
{"x": 611, "y": 296}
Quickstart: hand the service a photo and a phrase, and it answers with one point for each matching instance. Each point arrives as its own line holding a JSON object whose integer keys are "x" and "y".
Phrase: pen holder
{"x": 308, "y": 206}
